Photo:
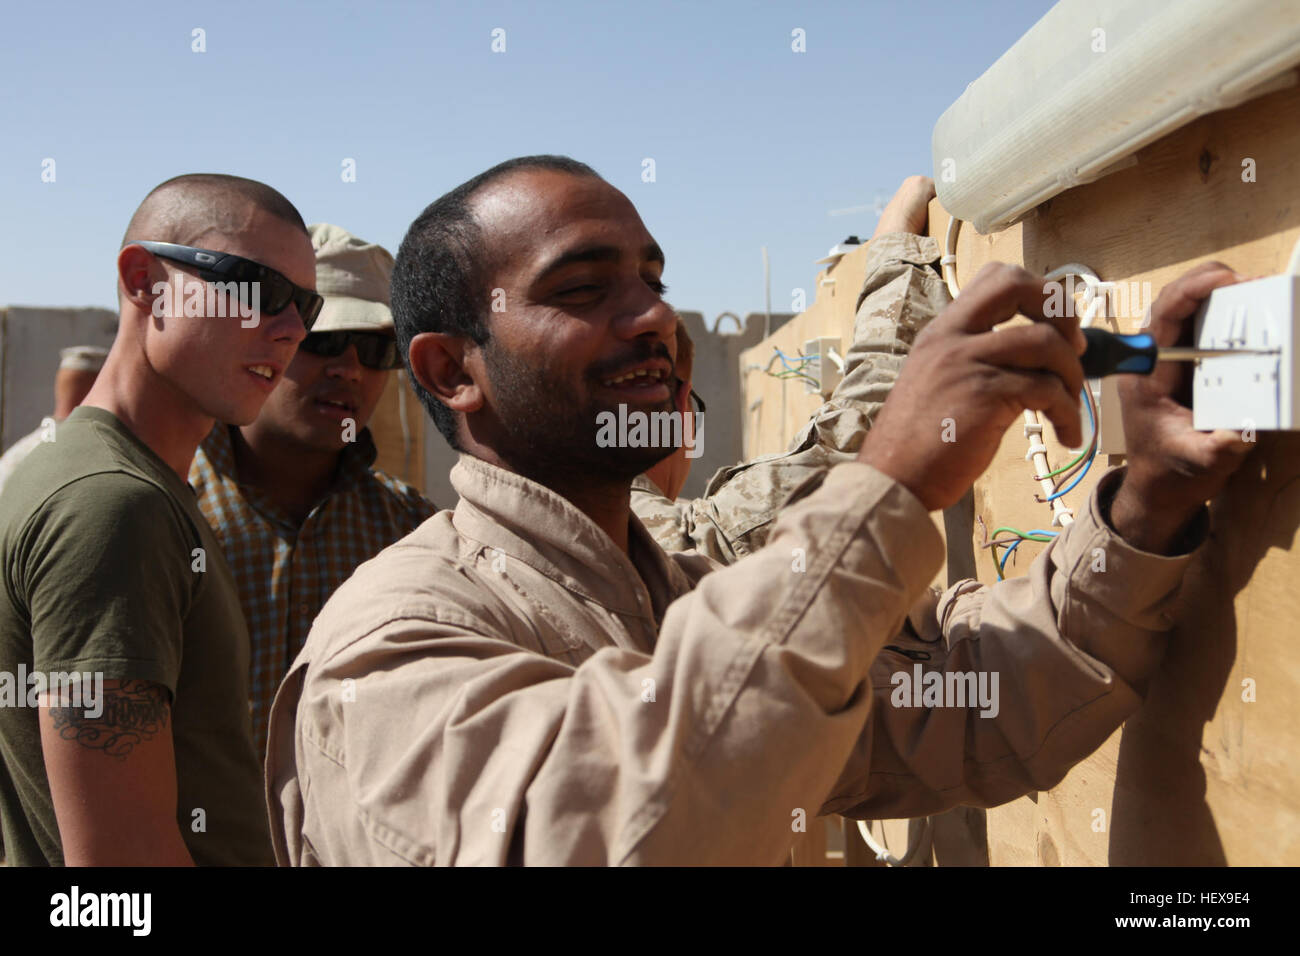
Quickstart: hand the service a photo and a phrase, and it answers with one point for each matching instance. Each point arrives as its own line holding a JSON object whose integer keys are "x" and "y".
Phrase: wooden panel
{"x": 1199, "y": 776}
{"x": 775, "y": 409}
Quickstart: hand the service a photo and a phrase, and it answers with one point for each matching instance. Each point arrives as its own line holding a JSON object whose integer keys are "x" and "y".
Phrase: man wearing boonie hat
{"x": 293, "y": 497}
{"x": 78, "y": 367}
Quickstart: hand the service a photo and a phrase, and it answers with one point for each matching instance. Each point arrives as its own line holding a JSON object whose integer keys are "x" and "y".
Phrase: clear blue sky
{"x": 753, "y": 143}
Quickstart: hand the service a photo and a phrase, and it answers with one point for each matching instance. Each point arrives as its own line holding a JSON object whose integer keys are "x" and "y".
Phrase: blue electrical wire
{"x": 1088, "y": 464}
{"x": 802, "y": 359}
{"x": 792, "y": 371}
{"x": 1002, "y": 566}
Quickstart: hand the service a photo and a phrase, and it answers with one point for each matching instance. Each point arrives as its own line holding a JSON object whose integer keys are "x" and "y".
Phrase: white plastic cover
{"x": 1090, "y": 84}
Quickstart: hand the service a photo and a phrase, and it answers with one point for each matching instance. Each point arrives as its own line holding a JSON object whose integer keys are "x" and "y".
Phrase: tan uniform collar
{"x": 534, "y": 525}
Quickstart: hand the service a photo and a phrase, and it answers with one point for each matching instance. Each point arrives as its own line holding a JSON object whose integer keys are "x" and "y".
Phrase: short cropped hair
{"x": 440, "y": 278}
{"x": 184, "y": 208}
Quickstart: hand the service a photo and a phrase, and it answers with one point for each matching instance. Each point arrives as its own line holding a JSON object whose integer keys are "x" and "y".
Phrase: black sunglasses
{"x": 695, "y": 396}
{"x": 274, "y": 291}
{"x": 374, "y": 349}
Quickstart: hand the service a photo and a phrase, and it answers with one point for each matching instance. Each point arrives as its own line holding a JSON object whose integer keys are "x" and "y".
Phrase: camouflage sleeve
{"x": 666, "y": 520}
{"x": 687, "y": 524}
{"x": 902, "y": 291}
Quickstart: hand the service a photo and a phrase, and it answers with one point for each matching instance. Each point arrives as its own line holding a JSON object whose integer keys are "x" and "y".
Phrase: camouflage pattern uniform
{"x": 902, "y": 291}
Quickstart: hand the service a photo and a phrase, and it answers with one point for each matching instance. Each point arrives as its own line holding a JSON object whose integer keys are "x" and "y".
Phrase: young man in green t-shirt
{"x": 110, "y": 571}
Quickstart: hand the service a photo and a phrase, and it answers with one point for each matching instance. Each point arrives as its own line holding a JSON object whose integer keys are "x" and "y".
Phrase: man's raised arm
{"x": 901, "y": 293}
{"x": 997, "y": 691}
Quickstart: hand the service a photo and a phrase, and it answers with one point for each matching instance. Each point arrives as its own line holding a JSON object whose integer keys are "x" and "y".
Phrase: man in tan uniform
{"x": 530, "y": 679}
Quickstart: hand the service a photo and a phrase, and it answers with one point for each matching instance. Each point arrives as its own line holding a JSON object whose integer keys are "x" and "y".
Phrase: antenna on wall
{"x": 877, "y": 206}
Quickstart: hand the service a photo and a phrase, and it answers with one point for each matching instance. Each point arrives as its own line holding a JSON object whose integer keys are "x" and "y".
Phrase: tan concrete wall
{"x": 30, "y": 340}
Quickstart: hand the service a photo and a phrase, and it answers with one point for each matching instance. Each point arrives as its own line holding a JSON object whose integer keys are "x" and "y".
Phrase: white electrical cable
{"x": 1096, "y": 295}
{"x": 1061, "y": 515}
{"x": 883, "y": 854}
{"x": 1095, "y": 292}
{"x": 1096, "y": 298}
{"x": 948, "y": 261}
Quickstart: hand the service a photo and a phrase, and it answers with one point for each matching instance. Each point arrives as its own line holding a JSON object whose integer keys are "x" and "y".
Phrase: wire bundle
{"x": 1078, "y": 467}
{"x": 1095, "y": 300}
{"x": 1014, "y": 538}
{"x": 795, "y": 370}
{"x": 1067, "y": 477}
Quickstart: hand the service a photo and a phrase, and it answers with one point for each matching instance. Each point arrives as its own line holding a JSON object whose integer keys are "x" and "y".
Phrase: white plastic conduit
{"x": 1093, "y": 82}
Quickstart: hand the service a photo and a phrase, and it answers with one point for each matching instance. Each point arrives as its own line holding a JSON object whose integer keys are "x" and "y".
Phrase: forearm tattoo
{"x": 135, "y": 710}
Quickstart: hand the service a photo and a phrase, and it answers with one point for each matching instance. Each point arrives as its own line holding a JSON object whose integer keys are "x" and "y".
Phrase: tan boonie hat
{"x": 353, "y": 276}
{"x": 83, "y": 358}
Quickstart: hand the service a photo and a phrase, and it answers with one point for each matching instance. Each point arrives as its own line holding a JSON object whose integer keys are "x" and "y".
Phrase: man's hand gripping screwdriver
{"x": 1111, "y": 354}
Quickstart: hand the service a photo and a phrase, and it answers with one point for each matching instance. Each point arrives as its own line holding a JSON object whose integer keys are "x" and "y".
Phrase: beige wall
{"x": 30, "y": 340}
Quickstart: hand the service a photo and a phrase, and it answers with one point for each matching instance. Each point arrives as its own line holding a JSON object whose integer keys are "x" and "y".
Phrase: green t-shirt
{"x": 101, "y": 575}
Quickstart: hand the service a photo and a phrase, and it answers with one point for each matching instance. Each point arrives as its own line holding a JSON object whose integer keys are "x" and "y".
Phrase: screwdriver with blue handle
{"x": 1109, "y": 353}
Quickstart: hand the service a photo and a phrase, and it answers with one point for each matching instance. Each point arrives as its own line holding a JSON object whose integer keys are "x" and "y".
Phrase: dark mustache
{"x": 638, "y": 352}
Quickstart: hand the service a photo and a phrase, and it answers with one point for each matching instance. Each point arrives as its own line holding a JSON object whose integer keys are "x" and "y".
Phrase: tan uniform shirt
{"x": 504, "y": 685}
{"x": 901, "y": 293}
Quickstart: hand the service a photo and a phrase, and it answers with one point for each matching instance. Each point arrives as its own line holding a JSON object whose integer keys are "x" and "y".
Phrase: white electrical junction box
{"x": 823, "y": 369}
{"x": 1250, "y": 391}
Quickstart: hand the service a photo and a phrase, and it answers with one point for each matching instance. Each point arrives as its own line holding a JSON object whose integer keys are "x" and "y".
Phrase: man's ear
{"x": 137, "y": 274}
{"x": 438, "y": 363}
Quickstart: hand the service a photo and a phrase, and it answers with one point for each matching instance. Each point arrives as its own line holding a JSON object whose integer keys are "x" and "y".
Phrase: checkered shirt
{"x": 285, "y": 572}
